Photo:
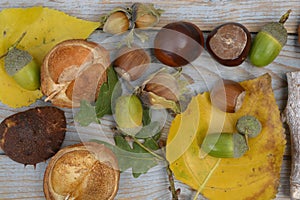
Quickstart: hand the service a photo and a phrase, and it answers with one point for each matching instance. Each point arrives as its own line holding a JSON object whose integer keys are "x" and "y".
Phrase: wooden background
{"x": 19, "y": 182}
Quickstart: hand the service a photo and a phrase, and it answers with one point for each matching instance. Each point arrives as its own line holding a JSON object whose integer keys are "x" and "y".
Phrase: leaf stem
{"x": 148, "y": 150}
{"x": 207, "y": 178}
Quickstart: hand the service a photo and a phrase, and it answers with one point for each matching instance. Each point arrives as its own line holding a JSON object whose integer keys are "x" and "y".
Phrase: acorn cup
{"x": 249, "y": 126}
{"x": 269, "y": 42}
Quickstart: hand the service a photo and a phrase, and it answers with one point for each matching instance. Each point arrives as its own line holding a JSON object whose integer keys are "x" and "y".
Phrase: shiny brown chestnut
{"x": 229, "y": 44}
{"x": 178, "y": 43}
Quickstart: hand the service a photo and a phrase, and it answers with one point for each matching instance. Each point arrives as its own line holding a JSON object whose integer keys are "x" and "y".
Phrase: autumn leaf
{"x": 253, "y": 176}
{"x": 44, "y": 28}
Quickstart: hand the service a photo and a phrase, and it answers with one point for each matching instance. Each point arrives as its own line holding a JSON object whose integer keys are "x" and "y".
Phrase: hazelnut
{"x": 74, "y": 70}
{"x": 131, "y": 63}
{"x": 227, "y": 95}
{"x": 117, "y": 22}
{"x": 82, "y": 171}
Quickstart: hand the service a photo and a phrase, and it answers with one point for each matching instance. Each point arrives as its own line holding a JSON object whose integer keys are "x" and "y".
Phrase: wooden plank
{"x": 206, "y": 14}
{"x": 20, "y": 179}
{"x": 17, "y": 182}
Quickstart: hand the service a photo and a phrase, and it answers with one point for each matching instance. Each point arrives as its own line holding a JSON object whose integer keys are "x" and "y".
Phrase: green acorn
{"x": 129, "y": 114}
{"x": 269, "y": 42}
{"x": 22, "y": 67}
{"x": 224, "y": 145}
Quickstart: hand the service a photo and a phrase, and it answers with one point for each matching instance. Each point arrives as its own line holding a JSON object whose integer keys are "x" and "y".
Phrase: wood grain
{"x": 17, "y": 182}
{"x": 207, "y": 14}
{"x": 292, "y": 117}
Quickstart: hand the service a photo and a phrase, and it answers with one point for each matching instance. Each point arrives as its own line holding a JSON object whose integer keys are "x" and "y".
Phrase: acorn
{"x": 22, "y": 67}
{"x": 269, "y": 42}
{"x": 224, "y": 145}
{"x": 129, "y": 114}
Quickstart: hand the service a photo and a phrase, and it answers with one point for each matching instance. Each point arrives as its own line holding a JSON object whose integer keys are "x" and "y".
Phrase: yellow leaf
{"x": 253, "y": 176}
{"x": 44, "y": 28}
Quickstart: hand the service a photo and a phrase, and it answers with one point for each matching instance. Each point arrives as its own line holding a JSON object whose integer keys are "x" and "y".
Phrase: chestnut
{"x": 227, "y": 95}
{"x": 229, "y": 44}
{"x": 178, "y": 43}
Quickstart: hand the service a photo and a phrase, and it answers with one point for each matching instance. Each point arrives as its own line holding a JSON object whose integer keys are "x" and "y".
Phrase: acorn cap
{"x": 276, "y": 30}
{"x": 239, "y": 145}
{"x": 249, "y": 125}
{"x": 15, "y": 60}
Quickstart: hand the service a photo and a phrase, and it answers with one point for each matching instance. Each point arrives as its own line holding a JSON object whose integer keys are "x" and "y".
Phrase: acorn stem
{"x": 285, "y": 17}
{"x": 14, "y": 45}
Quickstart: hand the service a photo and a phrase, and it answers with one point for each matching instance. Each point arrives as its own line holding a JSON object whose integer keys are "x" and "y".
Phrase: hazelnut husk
{"x": 72, "y": 71}
{"x": 164, "y": 85}
{"x": 161, "y": 90}
{"x": 82, "y": 171}
{"x": 145, "y": 15}
{"x": 229, "y": 44}
{"x": 227, "y": 95}
{"x": 131, "y": 62}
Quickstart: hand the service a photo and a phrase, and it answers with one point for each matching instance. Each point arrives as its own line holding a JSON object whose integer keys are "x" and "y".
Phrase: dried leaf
{"x": 44, "y": 28}
{"x": 253, "y": 176}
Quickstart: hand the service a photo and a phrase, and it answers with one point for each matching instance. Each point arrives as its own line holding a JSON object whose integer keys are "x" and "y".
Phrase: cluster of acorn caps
{"x": 75, "y": 69}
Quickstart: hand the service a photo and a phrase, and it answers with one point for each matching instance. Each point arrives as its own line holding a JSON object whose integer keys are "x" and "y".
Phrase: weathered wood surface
{"x": 206, "y": 13}
{"x": 17, "y": 182}
{"x": 292, "y": 116}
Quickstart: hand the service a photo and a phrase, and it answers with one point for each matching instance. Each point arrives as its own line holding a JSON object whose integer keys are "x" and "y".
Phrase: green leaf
{"x": 103, "y": 105}
{"x": 146, "y": 117}
{"x": 149, "y": 130}
{"x": 134, "y": 157}
{"x": 104, "y": 100}
{"x": 86, "y": 114}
